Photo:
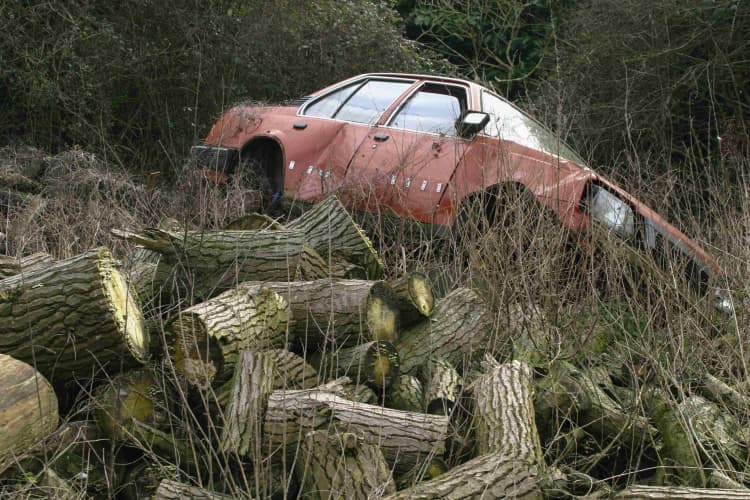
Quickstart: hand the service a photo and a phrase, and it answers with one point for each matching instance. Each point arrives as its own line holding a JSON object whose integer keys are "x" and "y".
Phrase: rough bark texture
{"x": 404, "y": 437}
{"x": 292, "y": 371}
{"x": 209, "y": 262}
{"x": 487, "y": 476}
{"x": 338, "y": 312}
{"x": 460, "y": 328}
{"x": 442, "y": 386}
{"x": 173, "y": 490}
{"x": 254, "y": 221}
{"x": 10, "y": 266}
{"x": 406, "y": 393}
{"x": 207, "y": 338}
{"x": 332, "y": 232}
{"x": 724, "y": 394}
{"x": 676, "y": 492}
{"x": 339, "y": 464}
{"x": 72, "y": 318}
{"x": 251, "y": 385}
{"x": 375, "y": 363}
{"x": 505, "y": 413}
{"x": 28, "y": 409}
{"x": 414, "y": 296}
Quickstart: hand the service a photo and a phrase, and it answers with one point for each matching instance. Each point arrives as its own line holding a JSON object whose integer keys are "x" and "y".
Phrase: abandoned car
{"x": 424, "y": 148}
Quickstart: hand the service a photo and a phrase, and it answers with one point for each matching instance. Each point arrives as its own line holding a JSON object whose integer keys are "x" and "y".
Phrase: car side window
{"x": 508, "y": 123}
{"x": 433, "y": 108}
{"x": 361, "y": 103}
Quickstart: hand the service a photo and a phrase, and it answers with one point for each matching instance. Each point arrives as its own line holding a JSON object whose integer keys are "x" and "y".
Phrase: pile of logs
{"x": 275, "y": 361}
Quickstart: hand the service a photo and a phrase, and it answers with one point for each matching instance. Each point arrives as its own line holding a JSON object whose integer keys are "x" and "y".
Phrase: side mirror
{"x": 471, "y": 122}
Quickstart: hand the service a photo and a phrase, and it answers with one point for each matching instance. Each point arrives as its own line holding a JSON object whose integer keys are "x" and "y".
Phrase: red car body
{"x": 394, "y": 142}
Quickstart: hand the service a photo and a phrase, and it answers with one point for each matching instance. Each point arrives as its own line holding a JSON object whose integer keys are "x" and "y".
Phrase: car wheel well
{"x": 261, "y": 165}
{"x": 489, "y": 203}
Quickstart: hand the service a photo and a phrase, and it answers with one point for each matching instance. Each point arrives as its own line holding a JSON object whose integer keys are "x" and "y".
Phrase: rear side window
{"x": 361, "y": 103}
{"x": 434, "y": 108}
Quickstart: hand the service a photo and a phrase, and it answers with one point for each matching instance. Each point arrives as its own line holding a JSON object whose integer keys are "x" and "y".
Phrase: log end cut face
{"x": 420, "y": 291}
{"x": 126, "y": 311}
{"x": 382, "y": 314}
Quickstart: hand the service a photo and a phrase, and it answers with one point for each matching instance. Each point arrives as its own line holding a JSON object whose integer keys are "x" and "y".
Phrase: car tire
{"x": 258, "y": 173}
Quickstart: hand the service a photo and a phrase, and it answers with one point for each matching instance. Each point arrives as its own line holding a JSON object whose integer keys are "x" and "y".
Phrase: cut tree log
{"x": 338, "y": 463}
{"x": 459, "y": 329}
{"x": 28, "y": 409}
{"x": 251, "y": 385}
{"x": 430, "y": 469}
{"x": 487, "y": 476}
{"x": 254, "y": 221}
{"x": 338, "y": 312}
{"x": 679, "y": 492}
{"x": 374, "y": 363}
{"x": 72, "y": 318}
{"x": 129, "y": 397}
{"x": 442, "y": 386}
{"x": 332, "y": 232}
{"x": 504, "y": 417}
{"x": 406, "y": 438}
{"x": 174, "y": 490}
{"x": 292, "y": 371}
{"x": 10, "y": 266}
{"x": 206, "y": 339}
{"x": 414, "y": 296}
{"x": 209, "y": 262}
{"x": 405, "y": 393}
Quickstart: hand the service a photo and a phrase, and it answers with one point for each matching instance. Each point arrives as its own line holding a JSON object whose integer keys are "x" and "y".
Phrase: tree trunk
{"x": 406, "y": 438}
{"x": 28, "y": 409}
{"x": 678, "y": 492}
{"x": 374, "y": 363}
{"x": 405, "y": 393}
{"x": 487, "y": 476}
{"x": 442, "y": 386}
{"x": 206, "y": 339}
{"x": 332, "y": 232}
{"x": 209, "y": 262}
{"x": 10, "y": 266}
{"x": 414, "y": 296}
{"x": 292, "y": 371}
{"x": 504, "y": 413}
{"x": 338, "y": 312}
{"x": 173, "y": 490}
{"x": 430, "y": 469}
{"x": 459, "y": 329}
{"x": 337, "y": 463}
{"x": 251, "y": 385}
{"x": 72, "y": 318}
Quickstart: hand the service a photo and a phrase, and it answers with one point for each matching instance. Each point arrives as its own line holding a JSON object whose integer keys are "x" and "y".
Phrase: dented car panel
{"x": 398, "y": 144}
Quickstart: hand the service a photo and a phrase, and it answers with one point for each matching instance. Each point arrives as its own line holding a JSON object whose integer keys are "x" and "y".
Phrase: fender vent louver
{"x": 299, "y": 101}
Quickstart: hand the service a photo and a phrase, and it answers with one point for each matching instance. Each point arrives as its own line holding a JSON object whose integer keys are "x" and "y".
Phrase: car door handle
{"x": 300, "y": 126}
{"x": 381, "y": 137}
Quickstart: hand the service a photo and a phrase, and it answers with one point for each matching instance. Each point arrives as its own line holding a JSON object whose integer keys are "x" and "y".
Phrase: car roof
{"x": 411, "y": 76}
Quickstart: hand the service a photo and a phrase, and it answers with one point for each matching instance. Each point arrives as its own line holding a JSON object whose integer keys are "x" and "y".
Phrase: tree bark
{"x": 337, "y": 463}
{"x": 72, "y": 318}
{"x": 209, "y": 262}
{"x": 206, "y": 339}
{"x": 487, "y": 476}
{"x": 504, "y": 413}
{"x": 406, "y": 438}
{"x": 338, "y": 312}
{"x": 292, "y": 371}
{"x": 28, "y": 409}
{"x": 374, "y": 363}
{"x": 251, "y": 385}
{"x": 414, "y": 296}
{"x": 442, "y": 386}
{"x": 173, "y": 490}
{"x": 459, "y": 329}
{"x": 10, "y": 266}
{"x": 332, "y": 232}
{"x": 405, "y": 393}
{"x": 676, "y": 492}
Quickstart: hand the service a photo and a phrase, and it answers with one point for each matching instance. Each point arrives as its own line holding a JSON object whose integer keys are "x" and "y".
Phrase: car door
{"x": 334, "y": 125}
{"x": 405, "y": 163}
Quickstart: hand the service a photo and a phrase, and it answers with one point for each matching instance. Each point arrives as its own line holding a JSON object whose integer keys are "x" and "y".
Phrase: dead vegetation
{"x": 538, "y": 371}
